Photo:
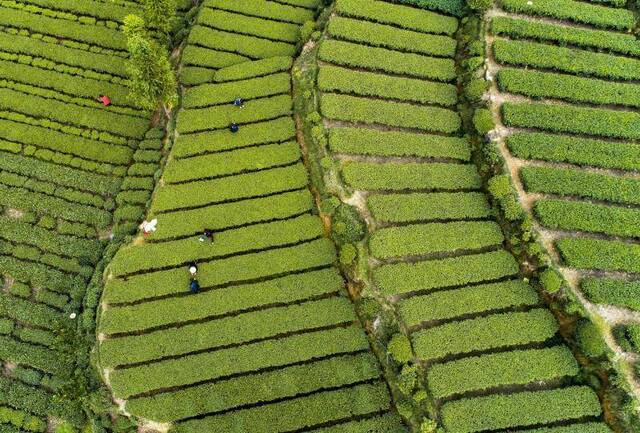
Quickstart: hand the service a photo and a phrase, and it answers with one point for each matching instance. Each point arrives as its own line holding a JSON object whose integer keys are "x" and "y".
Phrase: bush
{"x": 399, "y": 348}
{"x": 483, "y": 121}
{"x": 347, "y": 225}
{"x": 590, "y": 339}
{"x": 480, "y": 5}
{"x": 348, "y": 254}
{"x": 551, "y": 280}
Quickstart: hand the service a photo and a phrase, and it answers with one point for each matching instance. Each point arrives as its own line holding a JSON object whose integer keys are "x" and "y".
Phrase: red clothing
{"x": 105, "y": 100}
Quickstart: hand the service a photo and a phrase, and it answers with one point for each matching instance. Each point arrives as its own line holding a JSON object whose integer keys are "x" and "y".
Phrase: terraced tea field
{"x": 491, "y": 349}
{"x": 102, "y": 329}
{"x": 566, "y": 98}
{"x": 69, "y": 169}
{"x": 271, "y": 342}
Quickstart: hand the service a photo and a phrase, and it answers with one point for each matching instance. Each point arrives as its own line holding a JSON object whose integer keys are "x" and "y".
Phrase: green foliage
{"x": 504, "y": 411}
{"x": 363, "y": 110}
{"x": 612, "y": 291}
{"x": 518, "y": 367}
{"x": 408, "y": 379}
{"x": 588, "y": 217}
{"x": 65, "y": 428}
{"x": 484, "y": 333}
{"x": 623, "y": 43}
{"x": 551, "y": 280}
{"x": 151, "y": 79}
{"x": 399, "y": 348}
{"x": 590, "y": 340}
{"x": 581, "y": 120}
{"x": 567, "y": 181}
{"x": 257, "y": 388}
{"x": 580, "y": 12}
{"x": 395, "y": 143}
{"x": 241, "y": 359}
{"x": 483, "y": 121}
{"x": 378, "y": 35}
{"x": 348, "y": 254}
{"x": 409, "y": 18}
{"x": 429, "y": 206}
{"x": 475, "y": 89}
{"x": 331, "y": 79}
{"x": 347, "y": 225}
{"x": 221, "y": 116}
{"x": 232, "y": 330}
{"x": 522, "y": 53}
{"x": 480, "y": 5}
{"x": 382, "y": 59}
{"x": 291, "y": 415}
{"x": 413, "y": 240}
{"x": 454, "y": 7}
{"x": 204, "y": 192}
{"x": 407, "y": 277}
{"x": 250, "y": 88}
{"x": 449, "y": 304}
{"x": 576, "y": 150}
{"x": 574, "y": 89}
{"x": 587, "y": 253}
{"x": 402, "y": 176}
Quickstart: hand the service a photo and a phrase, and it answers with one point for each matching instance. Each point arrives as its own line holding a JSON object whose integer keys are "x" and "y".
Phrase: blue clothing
{"x": 238, "y": 102}
{"x": 234, "y": 128}
{"x": 194, "y": 286}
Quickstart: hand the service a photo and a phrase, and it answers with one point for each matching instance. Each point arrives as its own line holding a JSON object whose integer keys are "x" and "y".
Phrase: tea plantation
{"x": 566, "y": 96}
{"x": 322, "y": 248}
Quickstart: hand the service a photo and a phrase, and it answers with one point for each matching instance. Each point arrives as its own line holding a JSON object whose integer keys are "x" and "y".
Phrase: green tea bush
{"x": 623, "y": 43}
{"x": 363, "y": 110}
{"x": 331, "y": 79}
{"x": 381, "y": 59}
{"x": 597, "y": 15}
{"x": 395, "y": 143}
{"x": 429, "y": 206}
{"x": 522, "y": 53}
{"x": 379, "y": 35}
{"x": 409, "y": 18}
{"x": 518, "y": 367}
{"x": 590, "y": 339}
{"x": 573, "y": 119}
{"x": 520, "y": 409}
{"x": 402, "y": 176}
{"x": 574, "y": 89}
{"x": 399, "y": 348}
{"x": 567, "y": 181}
{"x": 588, "y": 217}
{"x": 576, "y": 150}
{"x": 241, "y": 359}
{"x": 551, "y": 280}
{"x": 449, "y": 304}
{"x": 408, "y": 277}
{"x": 587, "y": 253}
{"x": 484, "y": 333}
{"x": 612, "y": 291}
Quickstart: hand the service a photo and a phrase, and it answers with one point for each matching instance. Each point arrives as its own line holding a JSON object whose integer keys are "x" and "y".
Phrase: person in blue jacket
{"x": 194, "y": 286}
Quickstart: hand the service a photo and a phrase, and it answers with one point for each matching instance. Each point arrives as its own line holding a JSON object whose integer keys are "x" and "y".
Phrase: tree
{"x": 152, "y": 81}
{"x": 158, "y": 13}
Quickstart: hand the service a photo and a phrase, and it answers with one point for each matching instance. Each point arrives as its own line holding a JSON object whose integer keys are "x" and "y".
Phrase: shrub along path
{"x": 569, "y": 130}
{"x": 493, "y": 358}
{"x": 271, "y": 342}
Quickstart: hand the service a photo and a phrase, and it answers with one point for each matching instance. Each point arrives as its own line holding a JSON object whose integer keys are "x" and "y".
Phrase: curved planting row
{"x": 67, "y": 162}
{"x": 491, "y": 350}
{"x": 567, "y": 94}
{"x": 269, "y": 341}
